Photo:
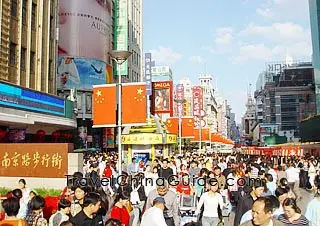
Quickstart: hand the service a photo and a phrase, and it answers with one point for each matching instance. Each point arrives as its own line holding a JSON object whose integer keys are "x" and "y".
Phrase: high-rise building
{"x": 222, "y": 121}
{"x": 314, "y": 9}
{"x": 127, "y": 34}
{"x": 28, "y": 43}
{"x": 286, "y": 97}
{"x": 27, "y": 71}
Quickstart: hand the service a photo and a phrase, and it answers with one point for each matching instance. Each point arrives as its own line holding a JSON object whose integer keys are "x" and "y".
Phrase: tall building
{"x": 249, "y": 118}
{"x": 314, "y": 10}
{"x": 27, "y": 71}
{"x": 286, "y": 97}
{"x": 28, "y": 43}
{"x": 127, "y": 35}
{"x": 222, "y": 121}
{"x": 210, "y": 104}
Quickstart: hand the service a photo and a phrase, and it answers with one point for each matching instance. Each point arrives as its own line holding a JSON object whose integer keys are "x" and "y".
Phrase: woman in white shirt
{"x": 211, "y": 201}
{"x": 150, "y": 178}
{"x": 25, "y": 190}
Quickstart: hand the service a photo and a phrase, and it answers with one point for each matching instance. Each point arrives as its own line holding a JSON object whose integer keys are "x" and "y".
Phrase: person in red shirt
{"x": 185, "y": 187}
{"x": 119, "y": 210}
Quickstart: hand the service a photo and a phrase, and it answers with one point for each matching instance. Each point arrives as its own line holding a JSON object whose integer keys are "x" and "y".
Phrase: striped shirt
{"x": 302, "y": 221}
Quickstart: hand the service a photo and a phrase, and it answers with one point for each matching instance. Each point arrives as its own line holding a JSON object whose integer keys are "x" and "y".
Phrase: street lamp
{"x": 180, "y": 102}
{"x": 119, "y": 56}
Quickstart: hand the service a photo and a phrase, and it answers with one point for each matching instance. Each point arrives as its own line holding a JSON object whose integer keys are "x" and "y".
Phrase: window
{"x": 34, "y": 16}
{"x": 12, "y": 53}
{"x": 24, "y": 11}
{"x": 32, "y": 59}
{"x": 23, "y": 59}
{"x": 51, "y": 28}
{"x": 14, "y": 8}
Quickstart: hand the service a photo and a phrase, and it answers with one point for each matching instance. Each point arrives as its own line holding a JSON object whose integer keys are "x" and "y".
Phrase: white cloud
{"x": 197, "y": 59}
{"x": 224, "y": 36}
{"x": 165, "y": 56}
{"x": 252, "y": 52}
{"x": 265, "y": 12}
{"x": 289, "y": 32}
{"x": 284, "y": 9}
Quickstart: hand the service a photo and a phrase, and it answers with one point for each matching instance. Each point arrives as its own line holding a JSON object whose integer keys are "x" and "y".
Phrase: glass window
{"x": 32, "y": 59}
{"x": 24, "y": 11}
{"x": 23, "y": 59}
{"x": 34, "y": 16}
{"x": 12, "y": 53}
{"x": 14, "y": 8}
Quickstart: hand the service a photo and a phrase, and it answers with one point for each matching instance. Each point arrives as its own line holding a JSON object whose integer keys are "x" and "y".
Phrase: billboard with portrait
{"x": 162, "y": 97}
{"x": 85, "y": 28}
{"x": 80, "y": 73}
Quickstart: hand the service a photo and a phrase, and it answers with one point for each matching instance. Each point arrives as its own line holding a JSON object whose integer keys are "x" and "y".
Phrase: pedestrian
{"x": 292, "y": 214}
{"x": 262, "y": 210}
{"x": 36, "y": 218}
{"x": 171, "y": 215}
{"x": 154, "y": 215}
{"x": 11, "y": 207}
{"x": 119, "y": 210}
{"x": 313, "y": 209}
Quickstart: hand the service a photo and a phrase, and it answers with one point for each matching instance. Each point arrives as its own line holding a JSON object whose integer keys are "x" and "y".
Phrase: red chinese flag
{"x": 187, "y": 127}
{"x": 104, "y": 105}
{"x": 205, "y": 134}
{"x": 172, "y": 125}
{"x": 134, "y": 103}
{"x": 195, "y": 135}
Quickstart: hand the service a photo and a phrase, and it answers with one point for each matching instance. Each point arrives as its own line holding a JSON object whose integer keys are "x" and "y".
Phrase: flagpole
{"x": 119, "y": 56}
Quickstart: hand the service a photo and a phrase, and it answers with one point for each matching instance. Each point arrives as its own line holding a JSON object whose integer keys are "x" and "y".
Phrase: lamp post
{"x": 119, "y": 56}
{"x": 180, "y": 102}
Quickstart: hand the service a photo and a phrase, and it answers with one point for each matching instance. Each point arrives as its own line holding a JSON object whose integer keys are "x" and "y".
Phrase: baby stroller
{"x": 187, "y": 208}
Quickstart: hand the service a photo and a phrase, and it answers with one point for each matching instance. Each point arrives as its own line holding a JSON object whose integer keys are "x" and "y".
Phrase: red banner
{"x": 275, "y": 151}
{"x": 179, "y": 96}
{"x": 197, "y": 100}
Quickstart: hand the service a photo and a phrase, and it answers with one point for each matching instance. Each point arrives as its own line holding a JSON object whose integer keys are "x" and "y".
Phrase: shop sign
{"x": 142, "y": 138}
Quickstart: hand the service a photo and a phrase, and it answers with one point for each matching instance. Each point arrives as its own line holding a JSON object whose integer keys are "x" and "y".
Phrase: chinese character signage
{"x": 142, "y": 138}
{"x": 147, "y": 73}
{"x": 197, "y": 100}
{"x": 121, "y": 33}
{"x": 162, "y": 97}
{"x": 179, "y": 96}
{"x": 34, "y": 160}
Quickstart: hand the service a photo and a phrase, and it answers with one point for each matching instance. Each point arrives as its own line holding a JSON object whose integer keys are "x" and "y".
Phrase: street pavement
{"x": 306, "y": 198}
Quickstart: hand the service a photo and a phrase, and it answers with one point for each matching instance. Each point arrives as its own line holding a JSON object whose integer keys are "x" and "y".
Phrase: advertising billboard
{"x": 179, "y": 96}
{"x": 197, "y": 100}
{"x": 162, "y": 97}
{"x": 147, "y": 72}
{"x": 81, "y": 73}
{"x": 121, "y": 32}
{"x": 85, "y": 28}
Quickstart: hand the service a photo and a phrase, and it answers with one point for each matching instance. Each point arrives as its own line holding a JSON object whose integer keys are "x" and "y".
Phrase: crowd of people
{"x": 148, "y": 193}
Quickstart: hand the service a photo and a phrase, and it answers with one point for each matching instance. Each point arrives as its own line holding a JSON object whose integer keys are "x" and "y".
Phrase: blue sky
{"x": 230, "y": 39}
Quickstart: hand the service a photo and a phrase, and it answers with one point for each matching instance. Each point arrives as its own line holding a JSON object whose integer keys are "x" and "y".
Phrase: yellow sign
{"x": 142, "y": 138}
{"x": 171, "y": 138}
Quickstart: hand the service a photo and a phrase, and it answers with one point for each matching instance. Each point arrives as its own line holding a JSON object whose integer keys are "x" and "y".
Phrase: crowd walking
{"x": 193, "y": 189}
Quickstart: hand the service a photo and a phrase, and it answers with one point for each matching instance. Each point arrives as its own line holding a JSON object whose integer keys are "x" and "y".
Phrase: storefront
{"x": 28, "y": 116}
{"x": 148, "y": 145}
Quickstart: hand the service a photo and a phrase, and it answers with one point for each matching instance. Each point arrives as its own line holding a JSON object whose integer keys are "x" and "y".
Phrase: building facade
{"x": 209, "y": 102}
{"x": 27, "y": 64}
{"x": 187, "y": 106}
{"x": 287, "y": 98}
{"x": 28, "y": 43}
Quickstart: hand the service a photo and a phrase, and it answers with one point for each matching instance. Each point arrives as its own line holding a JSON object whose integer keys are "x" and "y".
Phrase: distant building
{"x": 187, "y": 95}
{"x": 286, "y": 96}
{"x": 210, "y": 103}
{"x": 161, "y": 73}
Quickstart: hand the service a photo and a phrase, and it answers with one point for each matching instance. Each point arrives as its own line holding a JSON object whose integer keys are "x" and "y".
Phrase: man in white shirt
{"x": 154, "y": 215}
{"x": 292, "y": 175}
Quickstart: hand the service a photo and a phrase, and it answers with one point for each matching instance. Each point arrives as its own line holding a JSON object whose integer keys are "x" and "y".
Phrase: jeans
{"x": 137, "y": 210}
{"x": 209, "y": 221}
